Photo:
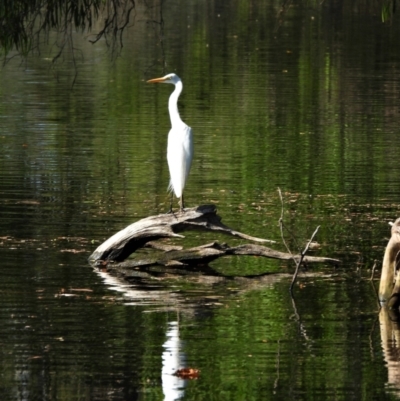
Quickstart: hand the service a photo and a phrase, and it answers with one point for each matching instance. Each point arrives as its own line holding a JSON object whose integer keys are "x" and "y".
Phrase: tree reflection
{"x": 24, "y": 24}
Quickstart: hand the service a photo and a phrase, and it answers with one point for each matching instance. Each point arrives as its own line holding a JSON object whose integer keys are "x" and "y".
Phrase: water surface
{"x": 305, "y": 101}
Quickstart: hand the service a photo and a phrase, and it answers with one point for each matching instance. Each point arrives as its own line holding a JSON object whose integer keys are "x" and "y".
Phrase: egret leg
{"x": 170, "y": 211}
{"x": 182, "y": 204}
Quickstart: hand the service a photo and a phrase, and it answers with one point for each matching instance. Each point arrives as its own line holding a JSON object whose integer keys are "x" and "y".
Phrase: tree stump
{"x": 389, "y": 287}
{"x": 148, "y": 231}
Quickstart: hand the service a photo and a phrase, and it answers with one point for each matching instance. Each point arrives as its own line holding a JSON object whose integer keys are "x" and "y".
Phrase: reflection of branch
{"x": 67, "y": 42}
{"x": 164, "y": 63}
{"x": 160, "y": 35}
{"x": 73, "y": 59}
{"x": 371, "y": 340}
{"x": 278, "y": 360}
{"x": 285, "y": 5}
{"x": 302, "y": 329}
{"x": 112, "y": 22}
{"x": 26, "y": 22}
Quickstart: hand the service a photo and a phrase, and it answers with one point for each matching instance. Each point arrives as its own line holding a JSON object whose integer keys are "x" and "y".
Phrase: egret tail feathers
{"x": 176, "y": 190}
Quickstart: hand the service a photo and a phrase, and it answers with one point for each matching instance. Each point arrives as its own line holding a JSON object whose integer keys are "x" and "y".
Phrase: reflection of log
{"x": 174, "y": 291}
{"x": 146, "y": 231}
{"x": 390, "y": 337}
{"x": 389, "y": 268}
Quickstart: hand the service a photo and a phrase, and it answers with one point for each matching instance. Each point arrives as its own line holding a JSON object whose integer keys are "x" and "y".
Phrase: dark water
{"x": 305, "y": 100}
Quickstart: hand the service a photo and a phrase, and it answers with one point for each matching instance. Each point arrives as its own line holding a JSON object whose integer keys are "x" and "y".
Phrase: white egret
{"x": 180, "y": 141}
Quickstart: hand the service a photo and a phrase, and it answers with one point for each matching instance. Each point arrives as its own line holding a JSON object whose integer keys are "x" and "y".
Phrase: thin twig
{"x": 373, "y": 286}
{"x": 281, "y": 226}
{"x": 376, "y": 294}
{"x": 373, "y": 271}
{"x": 303, "y": 253}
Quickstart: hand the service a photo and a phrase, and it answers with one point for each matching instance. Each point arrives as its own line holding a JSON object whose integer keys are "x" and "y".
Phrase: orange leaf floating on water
{"x": 187, "y": 373}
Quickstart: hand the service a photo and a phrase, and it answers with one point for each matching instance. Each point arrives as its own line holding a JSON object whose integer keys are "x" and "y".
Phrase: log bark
{"x": 147, "y": 232}
{"x": 390, "y": 264}
{"x": 394, "y": 299}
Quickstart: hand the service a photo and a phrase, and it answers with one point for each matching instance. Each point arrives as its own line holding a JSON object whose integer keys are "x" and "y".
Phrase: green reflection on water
{"x": 297, "y": 102}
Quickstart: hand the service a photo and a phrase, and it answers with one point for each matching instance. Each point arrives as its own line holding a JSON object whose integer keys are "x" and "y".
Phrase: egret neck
{"x": 173, "y": 105}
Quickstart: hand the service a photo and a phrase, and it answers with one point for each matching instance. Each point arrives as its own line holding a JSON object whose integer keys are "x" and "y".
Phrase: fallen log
{"x": 147, "y": 232}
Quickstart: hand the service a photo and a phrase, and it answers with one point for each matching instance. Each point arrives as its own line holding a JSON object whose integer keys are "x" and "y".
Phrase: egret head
{"x": 168, "y": 79}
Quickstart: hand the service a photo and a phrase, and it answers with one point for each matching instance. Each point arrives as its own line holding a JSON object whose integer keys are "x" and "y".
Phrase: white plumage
{"x": 180, "y": 141}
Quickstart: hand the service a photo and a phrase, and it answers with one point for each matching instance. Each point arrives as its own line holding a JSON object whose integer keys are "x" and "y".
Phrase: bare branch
{"x": 281, "y": 223}
{"x": 303, "y": 253}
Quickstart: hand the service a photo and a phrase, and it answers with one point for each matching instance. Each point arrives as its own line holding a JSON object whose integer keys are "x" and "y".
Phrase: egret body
{"x": 180, "y": 141}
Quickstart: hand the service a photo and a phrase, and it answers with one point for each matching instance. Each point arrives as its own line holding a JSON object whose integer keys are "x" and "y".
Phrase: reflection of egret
{"x": 180, "y": 141}
{"x": 172, "y": 359}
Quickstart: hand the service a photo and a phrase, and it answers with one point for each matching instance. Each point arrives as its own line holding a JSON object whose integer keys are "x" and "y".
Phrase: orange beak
{"x": 156, "y": 80}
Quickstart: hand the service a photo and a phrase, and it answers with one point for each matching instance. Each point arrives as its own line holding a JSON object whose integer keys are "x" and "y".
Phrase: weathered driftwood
{"x": 137, "y": 235}
{"x": 389, "y": 287}
{"x": 146, "y": 232}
